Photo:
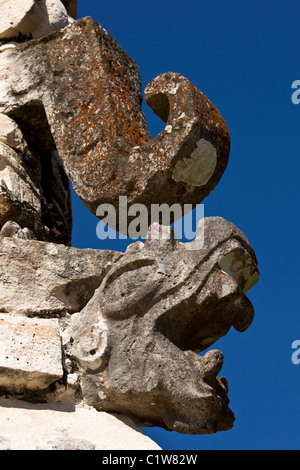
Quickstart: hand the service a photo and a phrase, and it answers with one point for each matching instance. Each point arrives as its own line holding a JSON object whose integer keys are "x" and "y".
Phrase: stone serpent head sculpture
{"x": 135, "y": 344}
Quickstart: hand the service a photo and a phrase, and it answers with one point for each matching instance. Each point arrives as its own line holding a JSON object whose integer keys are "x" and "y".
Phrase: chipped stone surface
{"x": 157, "y": 307}
{"x": 34, "y": 189}
{"x": 13, "y": 230}
{"x": 26, "y": 426}
{"x": 45, "y": 279}
{"x": 33, "y": 19}
{"x": 20, "y": 197}
{"x": 30, "y": 353}
{"x": 239, "y": 266}
{"x": 10, "y": 134}
{"x": 11, "y": 16}
{"x": 198, "y": 168}
{"x": 105, "y": 147}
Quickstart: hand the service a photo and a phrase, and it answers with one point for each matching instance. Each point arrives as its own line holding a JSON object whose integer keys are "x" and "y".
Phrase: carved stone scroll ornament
{"x": 135, "y": 342}
{"x": 78, "y": 92}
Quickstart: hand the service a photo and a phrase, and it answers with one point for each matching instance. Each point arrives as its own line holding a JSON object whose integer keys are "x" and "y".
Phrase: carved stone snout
{"x": 135, "y": 344}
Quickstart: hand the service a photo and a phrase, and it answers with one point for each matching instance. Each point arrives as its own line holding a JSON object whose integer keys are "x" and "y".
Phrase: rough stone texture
{"x": 119, "y": 332}
{"x": 13, "y": 230}
{"x": 10, "y": 133}
{"x": 56, "y": 205}
{"x": 91, "y": 98}
{"x": 26, "y": 426}
{"x": 30, "y": 353}
{"x": 26, "y": 19}
{"x": 34, "y": 189}
{"x": 46, "y": 280}
{"x": 135, "y": 342}
{"x": 20, "y": 196}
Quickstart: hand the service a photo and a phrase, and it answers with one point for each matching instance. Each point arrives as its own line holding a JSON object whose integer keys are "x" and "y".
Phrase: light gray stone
{"x": 46, "y": 280}
{"x": 12, "y": 13}
{"x": 10, "y": 133}
{"x": 33, "y": 19}
{"x": 20, "y": 196}
{"x": 26, "y": 426}
{"x": 30, "y": 353}
{"x": 66, "y": 443}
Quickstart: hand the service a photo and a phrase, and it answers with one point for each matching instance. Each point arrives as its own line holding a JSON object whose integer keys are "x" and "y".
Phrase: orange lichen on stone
{"x": 90, "y": 89}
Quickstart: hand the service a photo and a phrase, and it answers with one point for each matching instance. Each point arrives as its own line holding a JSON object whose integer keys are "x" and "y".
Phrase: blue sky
{"x": 244, "y": 57}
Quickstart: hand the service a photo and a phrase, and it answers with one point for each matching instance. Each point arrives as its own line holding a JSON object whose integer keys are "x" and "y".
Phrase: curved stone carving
{"x": 90, "y": 102}
{"x": 135, "y": 342}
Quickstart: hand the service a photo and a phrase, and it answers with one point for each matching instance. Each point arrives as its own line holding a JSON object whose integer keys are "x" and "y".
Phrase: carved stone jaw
{"x": 135, "y": 343}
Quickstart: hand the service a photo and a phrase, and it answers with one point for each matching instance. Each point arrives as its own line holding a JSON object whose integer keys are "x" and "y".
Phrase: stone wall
{"x": 94, "y": 343}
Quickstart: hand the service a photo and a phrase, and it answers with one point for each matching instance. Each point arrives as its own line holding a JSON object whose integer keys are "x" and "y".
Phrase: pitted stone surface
{"x": 46, "y": 280}
{"x": 30, "y": 353}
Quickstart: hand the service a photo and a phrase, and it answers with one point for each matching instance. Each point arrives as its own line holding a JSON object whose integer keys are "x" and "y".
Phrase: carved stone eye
{"x": 126, "y": 287}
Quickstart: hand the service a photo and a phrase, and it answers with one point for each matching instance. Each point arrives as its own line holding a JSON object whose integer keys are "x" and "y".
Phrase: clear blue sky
{"x": 244, "y": 56}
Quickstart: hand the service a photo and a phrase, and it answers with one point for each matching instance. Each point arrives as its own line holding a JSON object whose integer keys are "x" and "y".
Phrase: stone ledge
{"x": 26, "y": 426}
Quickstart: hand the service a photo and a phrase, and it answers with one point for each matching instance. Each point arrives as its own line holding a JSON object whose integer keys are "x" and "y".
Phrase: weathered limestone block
{"x": 34, "y": 189}
{"x": 10, "y": 134}
{"x": 20, "y": 198}
{"x": 45, "y": 279}
{"x": 135, "y": 343}
{"x": 30, "y": 353}
{"x": 34, "y": 18}
{"x": 13, "y": 230}
{"x": 26, "y": 426}
{"x": 86, "y": 92}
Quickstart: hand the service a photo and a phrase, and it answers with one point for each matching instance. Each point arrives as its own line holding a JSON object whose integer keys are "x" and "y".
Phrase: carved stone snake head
{"x": 136, "y": 343}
